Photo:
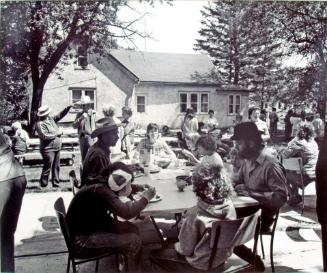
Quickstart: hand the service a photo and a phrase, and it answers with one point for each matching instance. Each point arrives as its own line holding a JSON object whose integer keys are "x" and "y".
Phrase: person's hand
{"x": 149, "y": 193}
{"x": 72, "y": 106}
{"x": 84, "y": 115}
{"x": 242, "y": 190}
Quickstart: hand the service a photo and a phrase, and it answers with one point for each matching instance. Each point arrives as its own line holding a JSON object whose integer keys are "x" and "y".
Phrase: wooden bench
{"x": 67, "y": 156}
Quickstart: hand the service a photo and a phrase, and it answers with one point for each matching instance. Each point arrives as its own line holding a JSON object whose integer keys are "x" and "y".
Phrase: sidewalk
{"x": 297, "y": 246}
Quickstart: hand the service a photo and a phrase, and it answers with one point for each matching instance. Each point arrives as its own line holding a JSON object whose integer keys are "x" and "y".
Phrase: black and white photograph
{"x": 163, "y": 136}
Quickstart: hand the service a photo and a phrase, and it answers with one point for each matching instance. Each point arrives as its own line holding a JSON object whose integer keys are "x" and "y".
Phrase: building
{"x": 157, "y": 86}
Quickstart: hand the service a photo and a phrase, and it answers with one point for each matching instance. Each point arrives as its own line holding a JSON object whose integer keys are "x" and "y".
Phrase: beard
{"x": 247, "y": 153}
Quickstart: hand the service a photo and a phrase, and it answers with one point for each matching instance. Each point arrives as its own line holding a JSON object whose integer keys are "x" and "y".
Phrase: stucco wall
{"x": 162, "y": 104}
{"x": 57, "y": 93}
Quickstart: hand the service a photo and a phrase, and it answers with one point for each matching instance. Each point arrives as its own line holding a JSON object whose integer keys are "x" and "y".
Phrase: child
{"x": 206, "y": 147}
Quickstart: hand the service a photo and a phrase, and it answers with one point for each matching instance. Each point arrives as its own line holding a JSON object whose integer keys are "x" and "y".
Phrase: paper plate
{"x": 156, "y": 198}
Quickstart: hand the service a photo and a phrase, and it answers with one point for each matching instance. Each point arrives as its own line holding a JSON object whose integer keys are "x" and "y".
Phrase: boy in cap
{"x": 91, "y": 214}
{"x": 50, "y": 143}
{"x": 85, "y": 124}
{"x": 260, "y": 176}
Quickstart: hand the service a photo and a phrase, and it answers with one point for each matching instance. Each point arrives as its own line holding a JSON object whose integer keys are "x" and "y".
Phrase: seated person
{"x": 304, "y": 146}
{"x": 155, "y": 145}
{"x": 212, "y": 122}
{"x": 206, "y": 147}
{"x": 91, "y": 215}
{"x": 213, "y": 191}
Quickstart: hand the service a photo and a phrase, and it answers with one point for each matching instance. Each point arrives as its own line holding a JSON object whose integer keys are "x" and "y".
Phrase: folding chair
{"x": 272, "y": 234}
{"x": 223, "y": 234}
{"x": 295, "y": 164}
{"x": 73, "y": 257}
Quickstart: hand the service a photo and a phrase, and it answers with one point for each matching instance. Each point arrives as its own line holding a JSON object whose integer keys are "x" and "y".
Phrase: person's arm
{"x": 63, "y": 113}
{"x": 276, "y": 197}
{"x": 293, "y": 148}
{"x": 168, "y": 150}
{"x": 265, "y": 136}
{"x": 43, "y": 132}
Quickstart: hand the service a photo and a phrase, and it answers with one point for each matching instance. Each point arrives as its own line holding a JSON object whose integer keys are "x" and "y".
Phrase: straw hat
{"x": 84, "y": 100}
{"x": 43, "y": 111}
{"x": 105, "y": 125}
{"x": 119, "y": 179}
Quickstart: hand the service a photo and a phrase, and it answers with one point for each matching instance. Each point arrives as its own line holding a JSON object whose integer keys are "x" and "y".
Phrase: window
{"x": 234, "y": 104}
{"x": 140, "y": 104}
{"x": 82, "y": 57}
{"x": 198, "y": 101}
{"x": 77, "y": 93}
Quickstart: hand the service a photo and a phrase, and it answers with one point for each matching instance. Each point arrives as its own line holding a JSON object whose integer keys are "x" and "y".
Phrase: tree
{"x": 239, "y": 37}
{"x": 38, "y": 36}
{"x": 304, "y": 27}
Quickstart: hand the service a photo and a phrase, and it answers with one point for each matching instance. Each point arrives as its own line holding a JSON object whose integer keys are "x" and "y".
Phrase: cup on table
{"x": 181, "y": 182}
{"x": 146, "y": 169}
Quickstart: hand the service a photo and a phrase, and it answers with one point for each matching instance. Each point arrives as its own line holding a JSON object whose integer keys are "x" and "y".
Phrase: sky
{"x": 174, "y": 28}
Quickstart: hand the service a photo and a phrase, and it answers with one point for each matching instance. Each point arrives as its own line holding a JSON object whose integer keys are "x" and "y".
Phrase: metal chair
{"x": 222, "y": 234}
{"x": 272, "y": 234}
{"x": 73, "y": 257}
{"x": 295, "y": 164}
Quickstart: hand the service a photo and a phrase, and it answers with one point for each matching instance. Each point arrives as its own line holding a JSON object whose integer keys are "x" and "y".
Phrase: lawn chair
{"x": 223, "y": 234}
{"x": 73, "y": 257}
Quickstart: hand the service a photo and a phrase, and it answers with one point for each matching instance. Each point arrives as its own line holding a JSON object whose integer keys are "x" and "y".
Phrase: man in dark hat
{"x": 260, "y": 176}
{"x": 98, "y": 156}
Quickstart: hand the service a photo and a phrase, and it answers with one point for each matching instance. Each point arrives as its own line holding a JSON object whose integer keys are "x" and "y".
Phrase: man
{"x": 273, "y": 117}
{"x": 85, "y": 124}
{"x": 12, "y": 189}
{"x": 127, "y": 140}
{"x": 98, "y": 156}
{"x": 260, "y": 176}
{"x": 91, "y": 215}
{"x": 254, "y": 116}
{"x": 50, "y": 143}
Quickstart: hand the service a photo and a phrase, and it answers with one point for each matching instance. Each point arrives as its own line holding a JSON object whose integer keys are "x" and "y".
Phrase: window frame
{"x": 145, "y": 103}
{"x": 234, "y": 96}
{"x": 83, "y": 91}
{"x": 188, "y": 100}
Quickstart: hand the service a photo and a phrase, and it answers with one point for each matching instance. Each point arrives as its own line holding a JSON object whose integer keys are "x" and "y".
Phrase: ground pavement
{"x": 40, "y": 247}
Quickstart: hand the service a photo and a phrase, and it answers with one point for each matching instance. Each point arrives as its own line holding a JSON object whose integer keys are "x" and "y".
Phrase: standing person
{"x": 85, "y": 124}
{"x": 212, "y": 122}
{"x": 321, "y": 192}
{"x": 318, "y": 126}
{"x": 50, "y": 143}
{"x": 12, "y": 189}
{"x": 98, "y": 156}
{"x": 261, "y": 177}
{"x": 273, "y": 117}
{"x": 254, "y": 116}
{"x": 190, "y": 128}
{"x": 128, "y": 126}
{"x": 288, "y": 125}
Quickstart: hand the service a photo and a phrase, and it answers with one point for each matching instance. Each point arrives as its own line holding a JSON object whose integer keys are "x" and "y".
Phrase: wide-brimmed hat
{"x": 105, "y": 125}
{"x": 43, "y": 111}
{"x": 119, "y": 179}
{"x": 246, "y": 131}
{"x": 84, "y": 100}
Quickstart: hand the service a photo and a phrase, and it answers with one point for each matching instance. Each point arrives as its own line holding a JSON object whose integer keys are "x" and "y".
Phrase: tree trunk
{"x": 36, "y": 103}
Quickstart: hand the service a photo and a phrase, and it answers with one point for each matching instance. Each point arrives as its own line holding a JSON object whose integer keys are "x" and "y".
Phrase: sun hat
{"x": 119, "y": 179}
{"x": 16, "y": 125}
{"x": 246, "y": 131}
{"x": 84, "y": 100}
{"x": 105, "y": 125}
{"x": 43, "y": 111}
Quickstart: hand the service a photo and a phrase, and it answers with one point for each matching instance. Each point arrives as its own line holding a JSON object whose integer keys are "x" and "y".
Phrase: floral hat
{"x": 211, "y": 184}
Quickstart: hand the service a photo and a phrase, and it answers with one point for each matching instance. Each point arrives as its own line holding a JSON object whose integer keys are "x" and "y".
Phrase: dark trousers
{"x": 11, "y": 196}
{"x": 85, "y": 142}
{"x": 51, "y": 163}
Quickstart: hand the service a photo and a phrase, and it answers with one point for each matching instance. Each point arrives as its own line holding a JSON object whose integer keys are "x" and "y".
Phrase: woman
{"x": 213, "y": 191}
{"x": 153, "y": 146}
{"x": 190, "y": 129}
{"x": 12, "y": 189}
{"x": 212, "y": 122}
{"x": 304, "y": 146}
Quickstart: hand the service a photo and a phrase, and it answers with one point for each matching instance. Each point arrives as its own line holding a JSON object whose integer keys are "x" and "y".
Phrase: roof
{"x": 163, "y": 67}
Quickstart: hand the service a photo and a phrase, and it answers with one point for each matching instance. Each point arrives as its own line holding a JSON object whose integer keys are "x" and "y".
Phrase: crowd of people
{"x": 93, "y": 213}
